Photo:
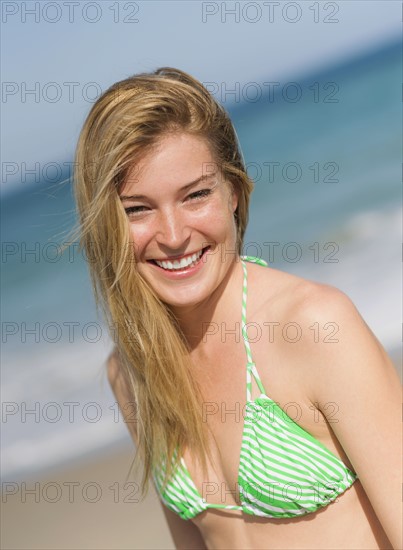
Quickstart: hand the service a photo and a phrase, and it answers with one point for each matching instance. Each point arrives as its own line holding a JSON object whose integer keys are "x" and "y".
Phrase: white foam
{"x": 29, "y": 455}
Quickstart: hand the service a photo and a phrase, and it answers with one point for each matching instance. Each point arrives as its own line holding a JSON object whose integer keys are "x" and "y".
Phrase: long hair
{"x": 124, "y": 124}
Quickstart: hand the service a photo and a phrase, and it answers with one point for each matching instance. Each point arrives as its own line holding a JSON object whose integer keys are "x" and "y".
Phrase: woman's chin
{"x": 184, "y": 302}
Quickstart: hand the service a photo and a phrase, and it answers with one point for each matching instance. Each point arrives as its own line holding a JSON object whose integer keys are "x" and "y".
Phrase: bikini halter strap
{"x": 250, "y": 366}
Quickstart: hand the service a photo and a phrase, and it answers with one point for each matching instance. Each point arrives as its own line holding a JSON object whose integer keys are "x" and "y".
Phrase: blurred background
{"x": 314, "y": 91}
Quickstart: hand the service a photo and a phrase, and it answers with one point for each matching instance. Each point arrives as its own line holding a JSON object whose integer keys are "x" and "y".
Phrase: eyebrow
{"x": 184, "y": 188}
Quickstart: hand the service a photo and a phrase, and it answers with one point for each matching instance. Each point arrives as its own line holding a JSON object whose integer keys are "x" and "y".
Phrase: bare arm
{"x": 185, "y": 534}
{"x": 357, "y": 375}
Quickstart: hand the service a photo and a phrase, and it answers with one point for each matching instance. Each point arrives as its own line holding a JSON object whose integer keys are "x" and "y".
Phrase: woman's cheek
{"x": 216, "y": 210}
{"x": 140, "y": 235}
{"x": 221, "y": 215}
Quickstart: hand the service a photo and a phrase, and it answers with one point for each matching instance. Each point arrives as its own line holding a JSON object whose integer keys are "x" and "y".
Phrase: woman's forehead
{"x": 180, "y": 159}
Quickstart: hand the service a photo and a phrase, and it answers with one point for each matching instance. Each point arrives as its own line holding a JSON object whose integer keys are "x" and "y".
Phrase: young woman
{"x": 252, "y": 442}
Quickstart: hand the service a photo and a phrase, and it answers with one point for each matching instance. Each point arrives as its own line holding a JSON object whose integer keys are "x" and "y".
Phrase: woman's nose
{"x": 172, "y": 230}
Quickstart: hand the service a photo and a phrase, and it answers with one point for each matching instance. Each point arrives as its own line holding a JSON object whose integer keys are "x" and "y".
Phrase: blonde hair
{"x": 124, "y": 124}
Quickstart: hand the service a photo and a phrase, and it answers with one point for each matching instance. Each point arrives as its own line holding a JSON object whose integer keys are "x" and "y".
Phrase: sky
{"x": 66, "y": 53}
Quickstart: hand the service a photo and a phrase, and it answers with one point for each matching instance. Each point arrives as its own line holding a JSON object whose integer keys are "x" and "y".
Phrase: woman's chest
{"x": 223, "y": 411}
{"x": 248, "y": 438}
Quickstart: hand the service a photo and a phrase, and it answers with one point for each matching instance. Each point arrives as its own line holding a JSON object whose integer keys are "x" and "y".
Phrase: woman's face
{"x": 181, "y": 216}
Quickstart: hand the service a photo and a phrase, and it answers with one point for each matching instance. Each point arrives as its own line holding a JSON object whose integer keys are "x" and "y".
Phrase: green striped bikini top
{"x": 283, "y": 471}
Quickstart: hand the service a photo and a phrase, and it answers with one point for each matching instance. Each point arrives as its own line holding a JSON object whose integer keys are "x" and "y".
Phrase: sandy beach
{"x": 86, "y": 506}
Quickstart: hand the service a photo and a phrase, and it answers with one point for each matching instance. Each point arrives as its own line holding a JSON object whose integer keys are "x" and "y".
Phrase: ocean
{"x": 324, "y": 151}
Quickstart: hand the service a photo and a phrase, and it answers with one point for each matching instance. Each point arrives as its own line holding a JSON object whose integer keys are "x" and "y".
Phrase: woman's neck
{"x": 202, "y": 324}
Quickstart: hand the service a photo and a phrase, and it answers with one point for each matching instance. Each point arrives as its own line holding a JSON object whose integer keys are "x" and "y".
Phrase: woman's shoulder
{"x": 311, "y": 323}
{"x": 114, "y": 371}
{"x": 319, "y": 325}
{"x": 126, "y": 402}
{"x": 320, "y": 337}
{"x": 291, "y": 296}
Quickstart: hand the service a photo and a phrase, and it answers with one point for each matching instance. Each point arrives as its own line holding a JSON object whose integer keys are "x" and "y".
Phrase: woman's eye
{"x": 200, "y": 194}
{"x": 132, "y": 210}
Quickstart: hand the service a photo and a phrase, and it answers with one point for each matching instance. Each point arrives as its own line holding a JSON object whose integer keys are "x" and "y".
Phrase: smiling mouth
{"x": 176, "y": 265}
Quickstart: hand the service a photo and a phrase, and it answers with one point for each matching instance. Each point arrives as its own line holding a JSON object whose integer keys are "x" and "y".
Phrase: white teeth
{"x": 180, "y": 264}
